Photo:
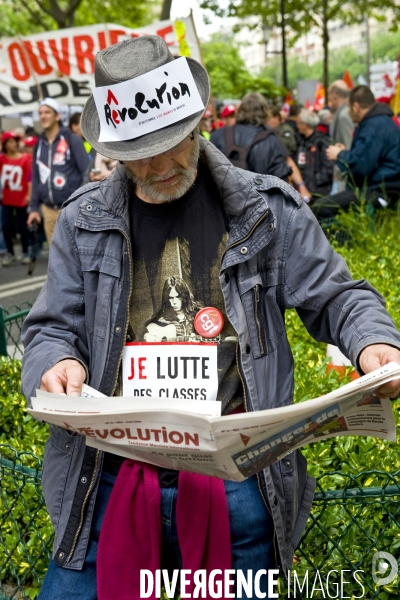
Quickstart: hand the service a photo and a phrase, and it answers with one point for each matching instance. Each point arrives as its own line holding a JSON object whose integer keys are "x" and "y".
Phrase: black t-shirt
{"x": 177, "y": 249}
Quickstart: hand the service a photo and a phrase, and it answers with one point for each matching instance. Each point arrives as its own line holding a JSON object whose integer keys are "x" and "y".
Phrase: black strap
{"x": 238, "y": 154}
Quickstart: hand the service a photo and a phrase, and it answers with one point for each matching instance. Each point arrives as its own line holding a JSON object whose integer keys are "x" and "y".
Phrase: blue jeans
{"x": 251, "y": 540}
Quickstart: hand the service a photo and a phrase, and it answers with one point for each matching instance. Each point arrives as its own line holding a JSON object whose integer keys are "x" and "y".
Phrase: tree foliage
{"x": 24, "y": 17}
{"x": 384, "y": 47}
{"x": 228, "y": 74}
{"x": 302, "y": 15}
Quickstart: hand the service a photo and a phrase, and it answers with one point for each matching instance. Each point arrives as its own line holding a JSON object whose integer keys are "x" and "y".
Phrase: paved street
{"x": 18, "y": 290}
{"x": 16, "y": 286}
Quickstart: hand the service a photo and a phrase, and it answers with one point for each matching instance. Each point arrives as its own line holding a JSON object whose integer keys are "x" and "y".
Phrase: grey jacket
{"x": 82, "y": 313}
{"x": 342, "y": 127}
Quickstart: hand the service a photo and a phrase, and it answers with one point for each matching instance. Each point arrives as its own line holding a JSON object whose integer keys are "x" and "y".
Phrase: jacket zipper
{"x": 257, "y": 474}
{"x": 49, "y": 178}
{"x": 257, "y": 318}
{"x": 128, "y": 245}
{"x": 113, "y": 390}
{"x": 83, "y": 506}
{"x": 246, "y": 237}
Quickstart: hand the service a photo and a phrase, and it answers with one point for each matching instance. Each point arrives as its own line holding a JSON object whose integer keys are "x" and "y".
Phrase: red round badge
{"x": 209, "y": 322}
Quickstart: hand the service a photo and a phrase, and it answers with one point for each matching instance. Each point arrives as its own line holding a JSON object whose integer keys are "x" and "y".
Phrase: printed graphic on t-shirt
{"x": 177, "y": 249}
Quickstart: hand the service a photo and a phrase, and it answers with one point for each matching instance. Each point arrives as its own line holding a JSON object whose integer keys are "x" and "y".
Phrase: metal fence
{"x": 11, "y": 319}
{"x": 346, "y": 528}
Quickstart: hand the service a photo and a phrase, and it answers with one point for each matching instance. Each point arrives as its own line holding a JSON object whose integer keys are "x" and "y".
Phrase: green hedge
{"x": 372, "y": 252}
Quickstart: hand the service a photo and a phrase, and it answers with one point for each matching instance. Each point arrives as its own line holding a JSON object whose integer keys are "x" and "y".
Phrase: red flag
{"x": 347, "y": 79}
{"x": 387, "y": 80}
{"x": 288, "y": 99}
{"x": 308, "y": 104}
{"x": 319, "y": 100}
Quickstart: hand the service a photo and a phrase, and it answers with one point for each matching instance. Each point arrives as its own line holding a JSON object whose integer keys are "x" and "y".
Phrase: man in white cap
{"x": 58, "y": 167}
{"x": 175, "y": 234}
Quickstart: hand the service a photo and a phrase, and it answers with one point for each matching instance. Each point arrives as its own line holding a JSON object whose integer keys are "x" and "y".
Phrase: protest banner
{"x": 60, "y": 63}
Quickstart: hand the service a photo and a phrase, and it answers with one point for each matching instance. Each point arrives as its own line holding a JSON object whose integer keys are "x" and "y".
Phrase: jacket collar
{"x": 109, "y": 199}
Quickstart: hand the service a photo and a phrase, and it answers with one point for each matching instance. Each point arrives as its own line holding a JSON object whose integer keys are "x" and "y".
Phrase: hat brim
{"x": 153, "y": 143}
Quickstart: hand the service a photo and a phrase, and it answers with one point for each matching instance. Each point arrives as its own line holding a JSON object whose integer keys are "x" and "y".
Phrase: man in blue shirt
{"x": 373, "y": 162}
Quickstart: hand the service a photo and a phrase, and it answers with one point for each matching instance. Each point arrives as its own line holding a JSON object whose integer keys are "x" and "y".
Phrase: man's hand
{"x": 66, "y": 377}
{"x": 332, "y": 152}
{"x": 33, "y": 216}
{"x": 376, "y": 356}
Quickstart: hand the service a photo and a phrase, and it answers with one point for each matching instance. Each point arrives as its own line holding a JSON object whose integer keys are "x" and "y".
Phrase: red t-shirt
{"x": 15, "y": 174}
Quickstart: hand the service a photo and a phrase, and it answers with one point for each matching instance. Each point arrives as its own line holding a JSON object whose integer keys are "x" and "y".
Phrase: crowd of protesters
{"x": 348, "y": 151}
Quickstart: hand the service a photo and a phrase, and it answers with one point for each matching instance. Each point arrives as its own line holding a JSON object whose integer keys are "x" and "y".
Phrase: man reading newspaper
{"x": 170, "y": 279}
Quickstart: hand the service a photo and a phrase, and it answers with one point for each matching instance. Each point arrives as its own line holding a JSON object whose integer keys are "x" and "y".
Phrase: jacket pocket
{"x": 57, "y": 460}
{"x": 101, "y": 273}
{"x": 264, "y": 319}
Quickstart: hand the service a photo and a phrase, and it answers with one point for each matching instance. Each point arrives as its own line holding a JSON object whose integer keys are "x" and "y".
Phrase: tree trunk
{"x": 166, "y": 10}
{"x": 325, "y": 40}
{"x": 283, "y": 32}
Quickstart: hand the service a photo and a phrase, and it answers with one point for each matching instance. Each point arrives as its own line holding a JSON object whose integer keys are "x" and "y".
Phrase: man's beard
{"x": 178, "y": 187}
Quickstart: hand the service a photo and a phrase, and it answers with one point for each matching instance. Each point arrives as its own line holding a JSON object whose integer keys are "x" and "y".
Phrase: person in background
{"x": 205, "y": 124}
{"x": 102, "y": 167}
{"x": 372, "y": 164}
{"x": 29, "y": 144}
{"x": 75, "y": 126}
{"x": 341, "y": 128}
{"x": 16, "y": 176}
{"x": 59, "y": 165}
{"x": 292, "y": 119}
{"x": 325, "y": 118}
{"x": 315, "y": 167}
{"x": 285, "y": 131}
{"x": 228, "y": 115}
{"x": 267, "y": 156}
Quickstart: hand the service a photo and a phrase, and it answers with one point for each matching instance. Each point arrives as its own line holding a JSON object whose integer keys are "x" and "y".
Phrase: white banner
{"x": 60, "y": 63}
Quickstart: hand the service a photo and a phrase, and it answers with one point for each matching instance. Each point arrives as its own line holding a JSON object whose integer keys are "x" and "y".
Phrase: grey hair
{"x": 324, "y": 115}
{"x": 309, "y": 118}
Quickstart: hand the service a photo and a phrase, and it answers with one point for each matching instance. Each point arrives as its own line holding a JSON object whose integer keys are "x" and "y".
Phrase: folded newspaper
{"x": 192, "y": 436}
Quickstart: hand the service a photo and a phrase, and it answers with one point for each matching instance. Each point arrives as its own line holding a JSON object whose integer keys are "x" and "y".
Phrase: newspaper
{"x": 192, "y": 436}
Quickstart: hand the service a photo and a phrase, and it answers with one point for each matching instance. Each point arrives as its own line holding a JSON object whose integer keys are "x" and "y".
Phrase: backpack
{"x": 238, "y": 154}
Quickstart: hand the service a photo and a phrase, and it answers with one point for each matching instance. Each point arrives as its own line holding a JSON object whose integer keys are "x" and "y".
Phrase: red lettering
{"x": 114, "y": 116}
{"x": 101, "y": 434}
{"x": 40, "y": 69}
{"x": 84, "y": 47}
{"x": 141, "y": 368}
{"x": 132, "y": 375}
{"x": 192, "y": 438}
{"x": 117, "y": 433}
{"x": 63, "y": 60}
{"x": 175, "y": 437}
{"x": 115, "y": 34}
{"x": 133, "y": 35}
{"x": 129, "y": 435}
{"x": 111, "y": 98}
{"x": 101, "y": 36}
{"x": 19, "y": 66}
{"x": 164, "y": 32}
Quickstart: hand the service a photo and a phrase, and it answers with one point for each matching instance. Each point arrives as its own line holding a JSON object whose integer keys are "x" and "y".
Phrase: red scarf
{"x": 130, "y": 538}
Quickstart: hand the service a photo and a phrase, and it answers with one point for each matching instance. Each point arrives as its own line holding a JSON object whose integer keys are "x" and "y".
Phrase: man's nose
{"x": 161, "y": 164}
